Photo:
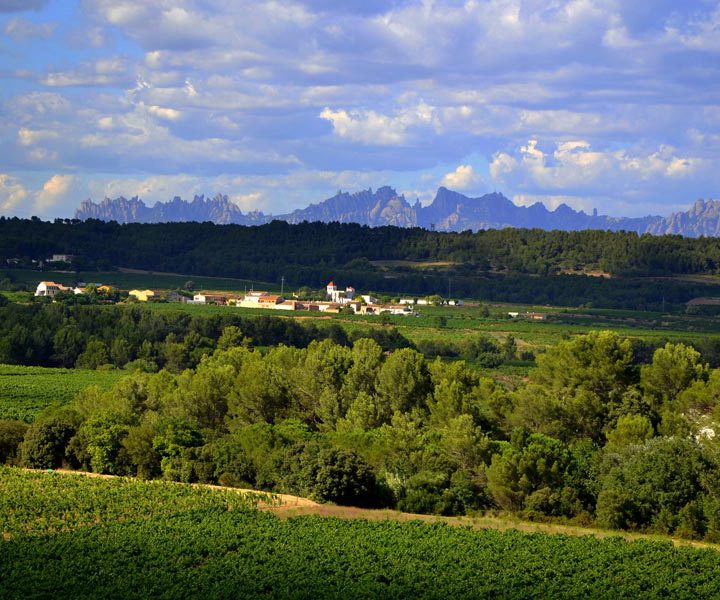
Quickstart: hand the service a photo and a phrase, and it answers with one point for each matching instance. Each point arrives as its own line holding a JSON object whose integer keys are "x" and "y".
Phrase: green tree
{"x": 120, "y": 352}
{"x": 68, "y": 343}
{"x": 102, "y": 435}
{"x": 530, "y": 473}
{"x": 11, "y": 436}
{"x": 674, "y": 368}
{"x": 404, "y": 381}
{"x": 46, "y": 440}
{"x": 95, "y": 355}
{"x": 630, "y": 430}
{"x": 652, "y": 483}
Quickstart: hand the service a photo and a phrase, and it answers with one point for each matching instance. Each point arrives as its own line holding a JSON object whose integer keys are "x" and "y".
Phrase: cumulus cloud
{"x": 574, "y": 164}
{"x": 370, "y": 127}
{"x": 574, "y": 168}
{"x": 169, "y": 114}
{"x": 53, "y": 191}
{"x": 462, "y": 178}
{"x": 12, "y": 193}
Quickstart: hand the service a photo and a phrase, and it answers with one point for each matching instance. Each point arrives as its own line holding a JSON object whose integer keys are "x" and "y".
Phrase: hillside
{"x": 125, "y": 538}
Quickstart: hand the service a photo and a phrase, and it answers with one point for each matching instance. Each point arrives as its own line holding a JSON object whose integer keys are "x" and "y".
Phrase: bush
{"x": 343, "y": 477}
{"x": 45, "y": 441}
{"x": 11, "y": 436}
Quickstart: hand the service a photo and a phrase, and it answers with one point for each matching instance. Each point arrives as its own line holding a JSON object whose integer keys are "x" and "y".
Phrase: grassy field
{"x": 465, "y": 321}
{"x": 27, "y": 391}
{"x": 127, "y": 280}
{"x": 68, "y": 536}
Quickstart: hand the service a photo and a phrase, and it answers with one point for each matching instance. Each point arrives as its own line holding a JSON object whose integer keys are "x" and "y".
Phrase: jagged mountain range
{"x": 449, "y": 211}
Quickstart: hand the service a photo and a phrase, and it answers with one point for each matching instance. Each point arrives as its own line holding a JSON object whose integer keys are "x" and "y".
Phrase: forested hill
{"x": 226, "y": 250}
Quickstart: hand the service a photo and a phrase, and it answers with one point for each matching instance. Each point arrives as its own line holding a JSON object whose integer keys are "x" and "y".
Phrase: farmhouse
{"x": 261, "y": 300}
{"x": 61, "y": 258}
{"x": 48, "y": 289}
{"x": 143, "y": 295}
{"x": 269, "y": 301}
{"x": 205, "y": 298}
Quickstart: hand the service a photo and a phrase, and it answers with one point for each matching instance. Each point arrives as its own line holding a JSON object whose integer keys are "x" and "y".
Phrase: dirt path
{"x": 286, "y": 506}
{"x": 284, "y": 501}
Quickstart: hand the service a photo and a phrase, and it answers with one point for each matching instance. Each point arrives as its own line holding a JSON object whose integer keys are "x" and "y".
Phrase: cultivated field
{"x": 27, "y": 391}
{"x": 123, "y": 538}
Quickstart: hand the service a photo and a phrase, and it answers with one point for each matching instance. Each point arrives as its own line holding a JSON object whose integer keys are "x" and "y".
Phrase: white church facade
{"x": 339, "y": 296}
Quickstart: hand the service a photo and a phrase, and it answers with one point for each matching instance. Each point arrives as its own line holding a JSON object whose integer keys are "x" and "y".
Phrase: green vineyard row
{"x": 123, "y": 538}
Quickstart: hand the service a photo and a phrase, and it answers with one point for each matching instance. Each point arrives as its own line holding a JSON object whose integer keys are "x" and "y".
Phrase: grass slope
{"x": 119, "y": 538}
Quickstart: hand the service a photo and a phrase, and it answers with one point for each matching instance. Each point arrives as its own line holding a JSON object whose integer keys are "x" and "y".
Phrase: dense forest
{"x": 592, "y": 436}
{"x": 513, "y": 265}
{"x": 223, "y": 250}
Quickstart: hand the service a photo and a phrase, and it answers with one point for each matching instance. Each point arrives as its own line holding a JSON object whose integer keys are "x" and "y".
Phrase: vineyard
{"x": 27, "y": 391}
{"x": 85, "y": 537}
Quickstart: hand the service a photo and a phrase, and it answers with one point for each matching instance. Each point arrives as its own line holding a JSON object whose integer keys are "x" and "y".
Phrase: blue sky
{"x": 603, "y": 104}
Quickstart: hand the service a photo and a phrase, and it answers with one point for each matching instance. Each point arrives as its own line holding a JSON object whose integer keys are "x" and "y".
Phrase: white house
{"x": 407, "y": 300}
{"x": 61, "y": 258}
{"x": 49, "y": 289}
{"x": 369, "y": 299}
{"x": 340, "y": 296}
{"x": 205, "y": 298}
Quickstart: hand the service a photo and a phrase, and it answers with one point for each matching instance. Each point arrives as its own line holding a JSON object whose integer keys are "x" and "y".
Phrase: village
{"x": 337, "y": 300}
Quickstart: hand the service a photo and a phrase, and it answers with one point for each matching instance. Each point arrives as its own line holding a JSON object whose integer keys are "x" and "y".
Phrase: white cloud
{"x": 12, "y": 193}
{"x": 575, "y": 164}
{"x": 29, "y": 137}
{"x": 372, "y": 128}
{"x": 574, "y": 172}
{"x": 169, "y": 114}
{"x": 53, "y": 191}
{"x": 462, "y": 178}
{"x": 112, "y": 71}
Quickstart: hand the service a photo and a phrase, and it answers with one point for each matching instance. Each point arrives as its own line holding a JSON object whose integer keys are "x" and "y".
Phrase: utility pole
{"x": 449, "y": 287}
{"x": 282, "y": 285}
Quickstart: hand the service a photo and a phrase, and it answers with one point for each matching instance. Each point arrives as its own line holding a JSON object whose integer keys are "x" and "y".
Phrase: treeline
{"x": 592, "y": 436}
{"x": 509, "y": 265}
{"x": 137, "y": 338}
{"x": 225, "y": 250}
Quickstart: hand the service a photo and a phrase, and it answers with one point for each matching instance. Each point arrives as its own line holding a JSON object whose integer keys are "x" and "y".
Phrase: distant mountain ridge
{"x": 219, "y": 210}
{"x": 449, "y": 211}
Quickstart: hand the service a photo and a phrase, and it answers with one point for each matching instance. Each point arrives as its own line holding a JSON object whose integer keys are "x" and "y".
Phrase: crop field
{"x": 463, "y": 322}
{"x": 85, "y": 537}
{"x": 27, "y": 391}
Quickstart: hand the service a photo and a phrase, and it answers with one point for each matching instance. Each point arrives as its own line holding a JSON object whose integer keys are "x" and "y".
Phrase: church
{"x": 338, "y": 295}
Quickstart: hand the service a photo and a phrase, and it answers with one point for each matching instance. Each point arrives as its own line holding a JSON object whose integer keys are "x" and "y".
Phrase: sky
{"x": 604, "y": 104}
